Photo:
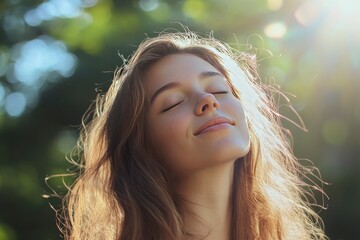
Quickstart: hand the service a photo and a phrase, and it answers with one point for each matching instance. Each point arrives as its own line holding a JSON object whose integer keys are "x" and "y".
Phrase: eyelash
{"x": 221, "y": 92}
{"x": 168, "y": 108}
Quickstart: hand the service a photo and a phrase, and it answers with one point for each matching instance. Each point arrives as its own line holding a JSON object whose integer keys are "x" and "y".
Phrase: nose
{"x": 206, "y": 102}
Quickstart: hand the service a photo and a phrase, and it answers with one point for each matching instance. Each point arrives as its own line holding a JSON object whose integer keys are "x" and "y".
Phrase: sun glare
{"x": 334, "y": 17}
{"x": 335, "y": 27}
{"x": 275, "y": 30}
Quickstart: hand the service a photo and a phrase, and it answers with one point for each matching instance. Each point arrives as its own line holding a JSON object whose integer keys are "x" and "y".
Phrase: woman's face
{"x": 194, "y": 120}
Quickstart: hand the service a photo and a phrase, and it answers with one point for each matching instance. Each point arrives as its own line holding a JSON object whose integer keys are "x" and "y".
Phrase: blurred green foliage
{"x": 54, "y": 53}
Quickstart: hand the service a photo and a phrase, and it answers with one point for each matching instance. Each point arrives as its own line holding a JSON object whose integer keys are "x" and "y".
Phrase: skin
{"x": 202, "y": 163}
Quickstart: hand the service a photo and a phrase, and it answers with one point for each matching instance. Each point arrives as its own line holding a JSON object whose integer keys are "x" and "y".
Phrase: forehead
{"x": 175, "y": 68}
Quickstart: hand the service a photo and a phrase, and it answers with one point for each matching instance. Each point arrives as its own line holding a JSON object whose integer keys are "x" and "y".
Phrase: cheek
{"x": 168, "y": 134}
{"x": 244, "y": 129}
{"x": 170, "y": 126}
{"x": 235, "y": 109}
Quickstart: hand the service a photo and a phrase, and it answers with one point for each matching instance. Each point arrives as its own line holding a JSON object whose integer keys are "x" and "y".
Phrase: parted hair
{"x": 123, "y": 192}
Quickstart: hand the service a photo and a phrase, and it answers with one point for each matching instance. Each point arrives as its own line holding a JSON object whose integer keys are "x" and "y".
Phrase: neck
{"x": 206, "y": 196}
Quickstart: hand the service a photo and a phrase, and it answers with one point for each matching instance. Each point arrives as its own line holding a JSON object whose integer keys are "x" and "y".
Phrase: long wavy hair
{"x": 123, "y": 192}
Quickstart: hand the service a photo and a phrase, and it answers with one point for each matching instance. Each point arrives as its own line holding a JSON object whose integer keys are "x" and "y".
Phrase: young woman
{"x": 186, "y": 145}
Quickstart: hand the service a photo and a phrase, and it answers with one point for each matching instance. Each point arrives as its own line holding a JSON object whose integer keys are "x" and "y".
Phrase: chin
{"x": 229, "y": 151}
{"x": 232, "y": 146}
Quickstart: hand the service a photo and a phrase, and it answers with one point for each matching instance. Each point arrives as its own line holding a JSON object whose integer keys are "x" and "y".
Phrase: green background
{"x": 56, "y": 55}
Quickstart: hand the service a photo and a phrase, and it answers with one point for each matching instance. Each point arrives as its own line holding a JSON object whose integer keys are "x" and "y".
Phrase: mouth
{"x": 214, "y": 123}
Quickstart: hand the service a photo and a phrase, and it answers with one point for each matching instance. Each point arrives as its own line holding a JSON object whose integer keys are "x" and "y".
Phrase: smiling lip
{"x": 213, "y": 122}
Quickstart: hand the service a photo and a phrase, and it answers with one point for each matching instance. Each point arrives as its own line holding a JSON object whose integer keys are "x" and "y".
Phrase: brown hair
{"x": 122, "y": 192}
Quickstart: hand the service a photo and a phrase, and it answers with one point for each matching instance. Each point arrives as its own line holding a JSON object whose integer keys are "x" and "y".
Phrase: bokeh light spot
{"x": 307, "y": 13}
{"x": 55, "y": 9}
{"x": 66, "y": 141}
{"x": 275, "y": 30}
{"x": 15, "y": 104}
{"x": 41, "y": 56}
{"x": 32, "y": 18}
{"x": 148, "y": 5}
{"x": 194, "y": 9}
{"x": 6, "y": 232}
{"x": 161, "y": 13}
{"x": 275, "y": 5}
{"x": 335, "y": 131}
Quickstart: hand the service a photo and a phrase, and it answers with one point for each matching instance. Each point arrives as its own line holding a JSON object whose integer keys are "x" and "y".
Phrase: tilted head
{"x": 180, "y": 104}
{"x": 166, "y": 71}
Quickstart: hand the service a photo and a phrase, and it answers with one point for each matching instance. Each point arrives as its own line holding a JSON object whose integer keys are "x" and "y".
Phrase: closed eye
{"x": 172, "y": 106}
{"x": 220, "y": 92}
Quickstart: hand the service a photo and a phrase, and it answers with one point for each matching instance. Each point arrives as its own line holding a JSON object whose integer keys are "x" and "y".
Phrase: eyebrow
{"x": 171, "y": 85}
